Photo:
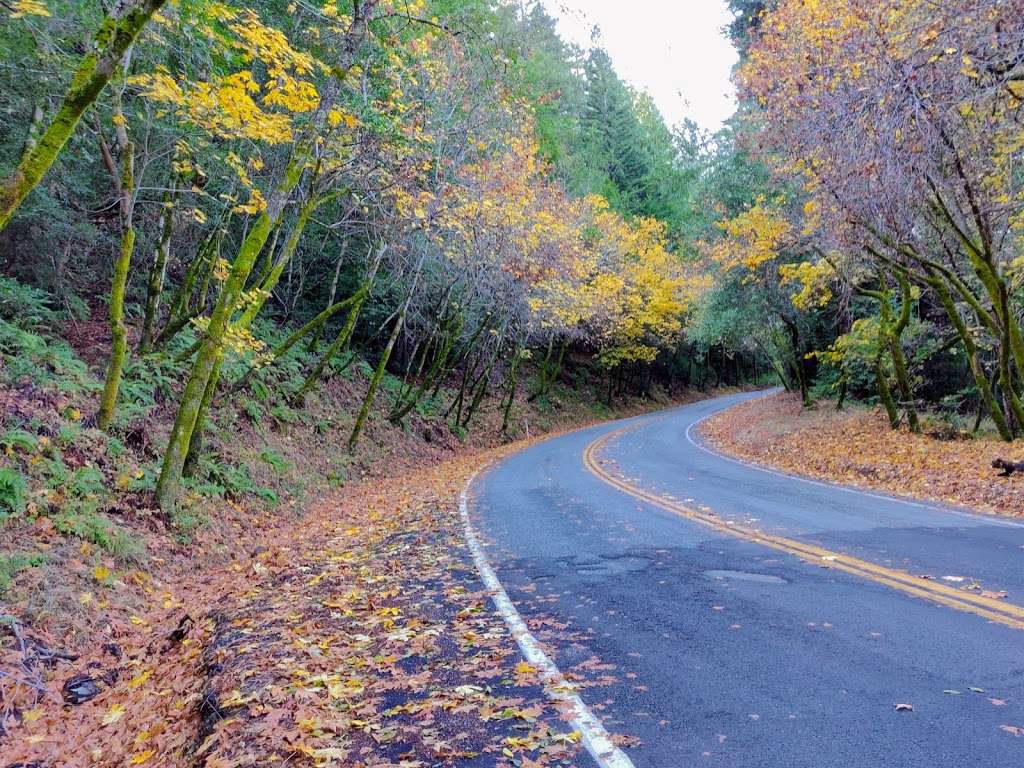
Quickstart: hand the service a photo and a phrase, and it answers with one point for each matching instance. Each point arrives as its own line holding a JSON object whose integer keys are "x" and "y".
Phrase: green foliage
{"x": 15, "y": 562}
{"x": 220, "y": 478}
{"x": 276, "y": 461}
{"x": 87, "y": 482}
{"x": 48, "y": 363}
{"x": 26, "y": 307}
{"x": 12, "y": 493}
{"x": 146, "y": 382}
{"x": 18, "y": 440}
{"x": 82, "y": 520}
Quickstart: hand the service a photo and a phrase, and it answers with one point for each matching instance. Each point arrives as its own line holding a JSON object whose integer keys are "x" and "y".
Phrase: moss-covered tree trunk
{"x": 345, "y": 334}
{"x": 212, "y": 345}
{"x": 378, "y": 374}
{"x": 282, "y": 349}
{"x": 480, "y": 386}
{"x": 249, "y": 313}
{"x": 510, "y": 397}
{"x": 546, "y": 372}
{"x": 158, "y": 271}
{"x": 202, "y": 265}
{"x": 113, "y": 39}
{"x": 988, "y": 401}
{"x": 882, "y": 383}
{"x": 118, "y": 331}
{"x": 195, "y": 445}
{"x": 437, "y": 371}
{"x": 894, "y": 338}
{"x": 314, "y": 340}
{"x": 125, "y": 185}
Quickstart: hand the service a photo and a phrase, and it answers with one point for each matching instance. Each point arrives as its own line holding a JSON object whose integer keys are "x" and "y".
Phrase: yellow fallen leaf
{"x": 31, "y": 715}
{"x": 100, "y": 572}
{"x": 115, "y": 713}
{"x": 142, "y": 757}
{"x": 139, "y": 679}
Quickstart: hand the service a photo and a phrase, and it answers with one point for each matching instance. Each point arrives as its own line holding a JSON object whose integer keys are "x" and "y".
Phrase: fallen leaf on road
{"x": 976, "y": 690}
{"x": 904, "y": 707}
{"x": 998, "y": 702}
{"x": 1012, "y": 729}
{"x": 994, "y": 595}
{"x": 951, "y": 692}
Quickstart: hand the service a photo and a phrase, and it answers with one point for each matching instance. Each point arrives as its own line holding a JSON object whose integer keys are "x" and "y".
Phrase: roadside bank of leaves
{"x": 360, "y": 637}
{"x": 855, "y": 446}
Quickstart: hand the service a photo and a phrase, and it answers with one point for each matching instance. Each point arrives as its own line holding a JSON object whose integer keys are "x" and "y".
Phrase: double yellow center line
{"x": 962, "y": 600}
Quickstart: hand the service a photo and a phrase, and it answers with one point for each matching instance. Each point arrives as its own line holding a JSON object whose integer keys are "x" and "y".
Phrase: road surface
{"x": 757, "y": 619}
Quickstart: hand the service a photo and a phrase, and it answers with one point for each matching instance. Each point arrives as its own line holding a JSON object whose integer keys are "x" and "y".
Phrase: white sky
{"x": 674, "y": 49}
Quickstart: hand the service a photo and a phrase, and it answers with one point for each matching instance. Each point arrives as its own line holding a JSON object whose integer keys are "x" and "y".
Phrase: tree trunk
{"x": 157, "y": 272}
{"x": 125, "y": 185}
{"x": 281, "y": 349}
{"x": 843, "y": 383}
{"x": 114, "y": 37}
{"x": 542, "y": 384}
{"x": 195, "y": 445}
{"x": 314, "y": 340}
{"x": 479, "y": 388}
{"x": 181, "y": 308}
{"x": 899, "y": 361}
{"x": 212, "y": 344}
{"x": 118, "y": 332}
{"x": 438, "y": 369}
{"x": 378, "y": 375}
{"x": 345, "y": 334}
{"x": 506, "y": 418}
{"x": 988, "y": 401}
{"x": 884, "y": 392}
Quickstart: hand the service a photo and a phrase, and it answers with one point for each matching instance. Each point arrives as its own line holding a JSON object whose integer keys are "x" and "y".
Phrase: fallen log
{"x": 1008, "y": 467}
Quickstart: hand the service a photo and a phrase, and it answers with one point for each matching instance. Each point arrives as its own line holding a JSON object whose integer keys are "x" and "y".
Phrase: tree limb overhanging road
{"x": 758, "y": 619}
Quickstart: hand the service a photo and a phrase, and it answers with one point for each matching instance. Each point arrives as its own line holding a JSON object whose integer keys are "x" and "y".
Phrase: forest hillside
{"x": 259, "y": 262}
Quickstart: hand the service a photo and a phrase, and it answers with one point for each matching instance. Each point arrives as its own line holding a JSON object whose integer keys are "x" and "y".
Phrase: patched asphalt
{"x": 727, "y": 653}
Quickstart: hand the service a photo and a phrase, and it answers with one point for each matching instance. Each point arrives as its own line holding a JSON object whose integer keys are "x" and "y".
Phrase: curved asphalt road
{"x": 729, "y": 653}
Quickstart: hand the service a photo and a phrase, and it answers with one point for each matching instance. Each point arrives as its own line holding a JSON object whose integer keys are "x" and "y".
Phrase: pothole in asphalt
{"x": 761, "y": 578}
{"x": 612, "y": 566}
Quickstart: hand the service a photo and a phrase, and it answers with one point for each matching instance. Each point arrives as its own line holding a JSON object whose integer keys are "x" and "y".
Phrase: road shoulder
{"x": 856, "y": 448}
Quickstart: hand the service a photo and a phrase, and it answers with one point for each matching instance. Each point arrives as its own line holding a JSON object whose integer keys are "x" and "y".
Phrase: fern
{"x": 12, "y": 493}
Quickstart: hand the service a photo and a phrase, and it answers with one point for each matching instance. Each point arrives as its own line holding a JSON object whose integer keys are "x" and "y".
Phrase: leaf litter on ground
{"x": 360, "y": 636}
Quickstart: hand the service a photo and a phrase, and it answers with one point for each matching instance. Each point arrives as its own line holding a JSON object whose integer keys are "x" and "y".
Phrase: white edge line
{"x": 980, "y": 517}
{"x": 594, "y": 736}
